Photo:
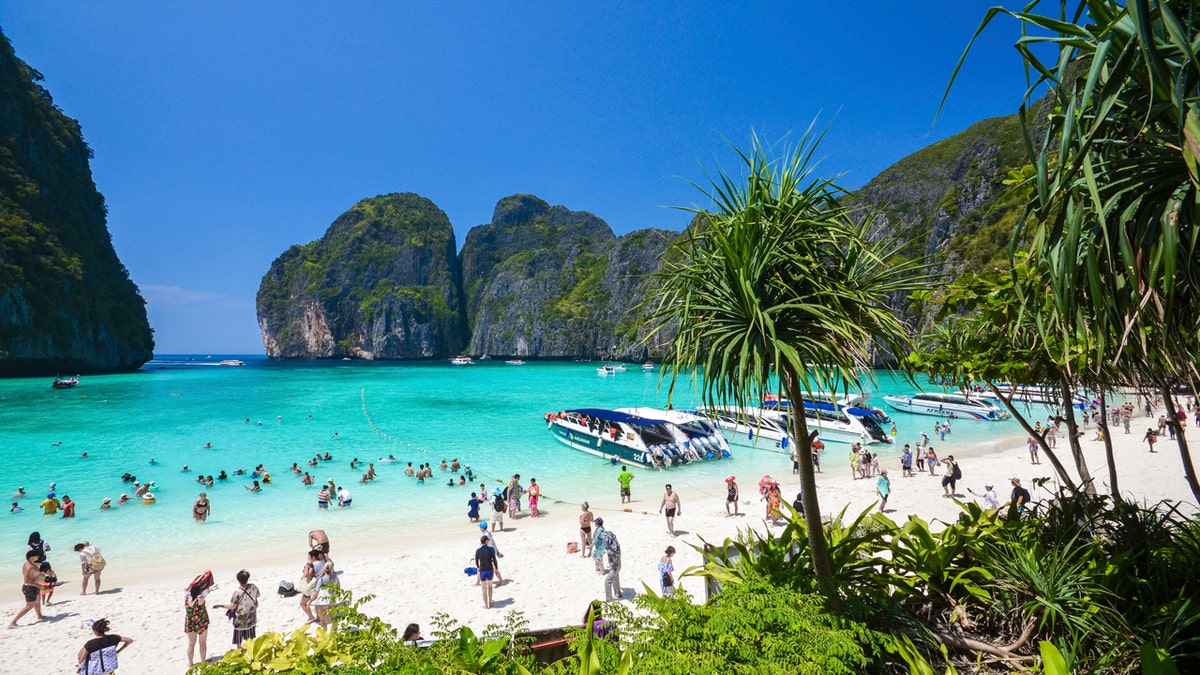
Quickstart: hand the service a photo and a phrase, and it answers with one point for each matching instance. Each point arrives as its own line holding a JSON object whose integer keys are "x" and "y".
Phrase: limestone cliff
{"x": 547, "y": 282}
{"x": 948, "y": 199}
{"x": 67, "y": 304}
{"x": 383, "y": 283}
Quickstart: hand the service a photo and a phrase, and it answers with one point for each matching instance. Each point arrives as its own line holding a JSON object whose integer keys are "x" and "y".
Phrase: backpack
{"x": 957, "y": 472}
{"x": 287, "y": 589}
{"x": 100, "y": 662}
{"x": 98, "y": 562}
{"x": 499, "y": 505}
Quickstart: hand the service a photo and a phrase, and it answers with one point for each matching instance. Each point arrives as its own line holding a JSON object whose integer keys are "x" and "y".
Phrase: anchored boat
{"x": 648, "y": 440}
{"x": 954, "y": 406}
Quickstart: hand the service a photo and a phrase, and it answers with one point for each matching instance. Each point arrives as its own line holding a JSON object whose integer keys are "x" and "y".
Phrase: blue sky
{"x": 225, "y": 132}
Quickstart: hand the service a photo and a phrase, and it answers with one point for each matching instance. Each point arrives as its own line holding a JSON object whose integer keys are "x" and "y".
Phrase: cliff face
{"x": 552, "y": 283}
{"x": 67, "y": 304}
{"x": 383, "y": 283}
{"x": 949, "y": 198}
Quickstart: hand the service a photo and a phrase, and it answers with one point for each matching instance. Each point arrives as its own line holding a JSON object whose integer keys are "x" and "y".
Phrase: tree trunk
{"x": 1041, "y": 439}
{"x": 1085, "y": 476}
{"x": 1189, "y": 469}
{"x": 822, "y": 565}
{"x": 1108, "y": 453}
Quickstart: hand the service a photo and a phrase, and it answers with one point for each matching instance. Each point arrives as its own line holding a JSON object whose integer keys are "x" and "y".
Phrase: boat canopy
{"x": 617, "y": 417}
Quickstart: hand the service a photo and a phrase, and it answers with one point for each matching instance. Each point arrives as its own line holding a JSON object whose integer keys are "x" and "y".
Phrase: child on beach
{"x": 498, "y": 508}
{"x": 49, "y": 581}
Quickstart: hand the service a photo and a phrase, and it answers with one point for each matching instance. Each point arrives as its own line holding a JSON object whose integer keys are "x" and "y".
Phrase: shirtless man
{"x": 671, "y": 503}
{"x": 31, "y": 579}
{"x": 318, "y": 541}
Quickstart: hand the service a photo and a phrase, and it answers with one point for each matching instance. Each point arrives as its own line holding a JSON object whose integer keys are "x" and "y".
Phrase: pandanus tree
{"x": 1116, "y": 181}
{"x": 777, "y": 287}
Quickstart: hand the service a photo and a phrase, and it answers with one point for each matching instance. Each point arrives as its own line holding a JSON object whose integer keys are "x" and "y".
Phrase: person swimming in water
{"x": 253, "y": 488}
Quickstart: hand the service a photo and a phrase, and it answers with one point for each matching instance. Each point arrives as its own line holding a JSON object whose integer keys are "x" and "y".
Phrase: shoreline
{"x": 415, "y": 577}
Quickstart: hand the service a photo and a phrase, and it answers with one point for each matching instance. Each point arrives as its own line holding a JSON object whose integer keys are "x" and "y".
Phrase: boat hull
{"x": 599, "y": 447}
{"x": 938, "y": 409}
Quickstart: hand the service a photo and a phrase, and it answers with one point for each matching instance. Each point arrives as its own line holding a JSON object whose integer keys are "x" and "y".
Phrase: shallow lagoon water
{"x": 488, "y": 415}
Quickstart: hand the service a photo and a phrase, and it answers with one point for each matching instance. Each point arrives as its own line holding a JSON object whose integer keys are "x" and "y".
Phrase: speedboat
{"x": 651, "y": 442}
{"x": 954, "y": 406}
{"x": 64, "y": 382}
{"x": 844, "y": 400}
{"x": 1051, "y": 397}
{"x": 647, "y": 366}
{"x": 485, "y": 357}
{"x": 231, "y": 362}
{"x": 618, "y": 367}
{"x": 703, "y": 435}
{"x": 461, "y": 361}
{"x": 606, "y": 370}
{"x": 751, "y": 427}
{"x": 515, "y": 362}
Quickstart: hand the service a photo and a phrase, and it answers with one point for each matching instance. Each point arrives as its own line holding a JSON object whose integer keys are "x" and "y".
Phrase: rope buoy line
{"x": 485, "y": 476}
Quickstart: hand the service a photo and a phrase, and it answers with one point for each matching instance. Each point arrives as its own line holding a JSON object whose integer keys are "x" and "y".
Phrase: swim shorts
{"x": 486, "y": 575}
{"x": 31, "y": 593}
{"x": 670, "y": 513}
{"x": 624, "y": 492}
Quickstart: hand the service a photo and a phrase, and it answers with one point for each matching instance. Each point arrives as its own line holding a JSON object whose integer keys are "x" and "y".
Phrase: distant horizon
{"x": 225, "y": 133}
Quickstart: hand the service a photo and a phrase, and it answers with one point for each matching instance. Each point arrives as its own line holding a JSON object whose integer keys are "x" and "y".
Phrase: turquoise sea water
{"x": 488, "y": 415}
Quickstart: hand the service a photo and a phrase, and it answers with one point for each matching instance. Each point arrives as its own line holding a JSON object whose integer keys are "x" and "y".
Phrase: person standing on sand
{"x": 731, "y": 495}
{"x": 31, "y": 578}
{"x": 491, "y": 540}
{"x": 89, "y": 565}
{"x": 244, "y": 604}
{"x": 666, "y": 572}
{"x": 585, "y": 531}
{"x": 671, "y": 503}
{"x": 1033, "y": 450}
{"x": 195, "y": 617}
{"x": 854, "y": 460}
{"x": 883, "y": 488}
{"x": 612, "y": 573}
{"x": 931, "y": 460}
{"x": 990, "y": 499}
{"x": 1020, "y": 496}
{"x": 513, "y": 492}
{"x": 953, "y": 473}
{"x": 201, "y": 508}
{"x": 906, "y": 462}
{"x": 1151, "y": 437}
{"x": 486, "y": 566}
{"x": 498, "y": 508}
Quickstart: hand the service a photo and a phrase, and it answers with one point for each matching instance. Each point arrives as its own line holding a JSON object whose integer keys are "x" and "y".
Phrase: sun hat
{"x": 1016, "y": 480}
{"x": 107, "y": 499}
{"x": 730, "y": 479}
{"x": 599, "y": 521}
{"x": 989, "y": 484}
{"x": 497, "y": 492}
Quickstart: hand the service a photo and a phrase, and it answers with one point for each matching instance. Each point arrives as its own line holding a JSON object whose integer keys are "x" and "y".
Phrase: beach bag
{"x": 287, "y": 589}
{"x": 100, "y": 662}
{"x": 572, "y": 547}
{"x": 957, "y": 472}
{"x": 667, "y": 581}
{"x": 499, "y": 505}
{"x": 98, "y": 562}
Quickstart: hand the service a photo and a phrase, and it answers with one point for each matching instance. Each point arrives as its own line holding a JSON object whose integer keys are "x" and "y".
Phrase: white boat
{"x": 647, "y": 366}
{"x": 751, "y": 427}
{"x": 843, "y": 400}
{"x": 231, "y": 362}
{"x": 461, "y": 361}
{"x": 702, "y": 434}
{"x": 485, "y": 357}
{"x": 606, "y": 370}
{"x": 618, "y": 367}
{"x": 515, "y": 362}
{"x": 764, "y": 427}
{"x": 622, "y": 437}
{"x": 953, "y": 406}
{"x": 1048, "y": 396}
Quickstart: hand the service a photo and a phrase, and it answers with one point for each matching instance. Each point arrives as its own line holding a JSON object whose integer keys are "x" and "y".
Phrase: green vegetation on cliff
{"x": 66, "y": 302}
{"x": 381, "y": 283}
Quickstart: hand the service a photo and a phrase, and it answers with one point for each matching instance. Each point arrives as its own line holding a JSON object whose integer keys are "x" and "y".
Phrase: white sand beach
{"x": 415, "y": 579}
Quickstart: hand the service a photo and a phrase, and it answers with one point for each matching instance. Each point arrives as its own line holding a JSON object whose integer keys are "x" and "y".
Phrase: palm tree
{"x": 1116, "y": 188}
{"x": 778, "y": 288}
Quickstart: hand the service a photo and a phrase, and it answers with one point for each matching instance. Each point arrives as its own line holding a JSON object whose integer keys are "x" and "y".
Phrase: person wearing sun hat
{"x": 731, "y": 495}
{"x": 1020, "y": 496}
{"x": 990, "y": 499}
